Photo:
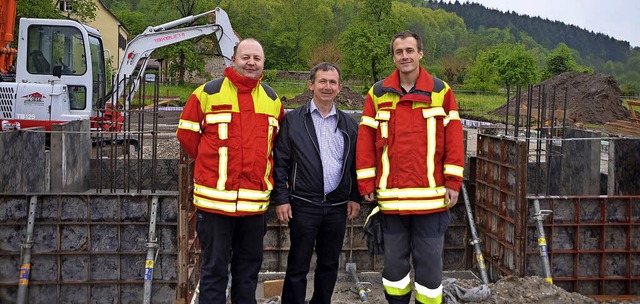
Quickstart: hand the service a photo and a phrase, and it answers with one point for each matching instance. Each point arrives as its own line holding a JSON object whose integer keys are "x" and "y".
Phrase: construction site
{"x": 101, "y": 216}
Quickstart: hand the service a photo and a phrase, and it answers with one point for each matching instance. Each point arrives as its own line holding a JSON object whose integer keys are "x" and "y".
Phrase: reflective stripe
{"x": 254, "y": 195}
{"x": 369, "y": 122}
{"x": 411, "y": 204}
{"x": 454, "y": 115}
{"x": 273, "y": 126}
{"x": 223, "y": 130}
{"x": 428, "y": 296}
{"x": 252, "y": 206}
{"x": 397, "y": 288}
{"x": 366, "y": 173}
{"x": 453, "y": 170}
{"x": 431, "y": 151}
{"x": 273, "y": 122}
{"x": 218, "y": 118}
{"x": 384, "y": 130}
{"x": 229, "y": 195}
{"x": 210, "y": 204}
{"x": 412, "y": 192}
{"x": 385, "y": 168}
{"x": 222, "y": 167}
{"x": 189, "y": 125}
{"x": 432, "y": 112}
{"x": 383, "y": 115}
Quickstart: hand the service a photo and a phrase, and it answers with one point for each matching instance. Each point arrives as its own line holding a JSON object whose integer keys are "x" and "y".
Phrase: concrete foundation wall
{"x": 161, "y": 174}
{"x": 22, "y": 155}
{"x": 624, "y": 167}
{"x": 69, "y": 157}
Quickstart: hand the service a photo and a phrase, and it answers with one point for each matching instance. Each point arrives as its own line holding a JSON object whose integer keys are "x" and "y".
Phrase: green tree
{"x": 83, "y": 10}
{"x": 503, "y": 65}
{"x": 365, "y": 42}
{"x": 559, "y": 61}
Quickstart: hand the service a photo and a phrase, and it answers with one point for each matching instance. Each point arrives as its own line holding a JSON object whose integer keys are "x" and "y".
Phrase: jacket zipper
{"x": 306, "y": 127}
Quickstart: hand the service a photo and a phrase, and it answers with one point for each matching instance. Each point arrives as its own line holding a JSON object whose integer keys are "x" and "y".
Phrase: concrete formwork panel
{"x": 594, "y": 245}
{"x": 593, "y": 241}
{"x": 89, "y": 248}
{"x": 624, "y": 167}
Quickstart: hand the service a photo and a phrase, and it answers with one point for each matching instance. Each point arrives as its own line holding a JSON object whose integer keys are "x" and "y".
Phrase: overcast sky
{"x": 619, "y": 19}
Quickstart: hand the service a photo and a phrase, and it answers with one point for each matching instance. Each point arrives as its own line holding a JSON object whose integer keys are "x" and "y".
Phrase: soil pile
{"x": 347, "y": 98}
{"x": 591, "y": 98}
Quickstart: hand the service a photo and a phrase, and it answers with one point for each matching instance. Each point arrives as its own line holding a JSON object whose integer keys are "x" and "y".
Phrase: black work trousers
{"x": 416, "y": 237}
{"x": 323, "y": 227}
{"x": 222, "y": 237}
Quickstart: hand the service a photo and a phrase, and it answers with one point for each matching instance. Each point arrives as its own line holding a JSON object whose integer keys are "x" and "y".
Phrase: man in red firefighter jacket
{"x": 229, "y": 125}
{"x": 410, "y": 155}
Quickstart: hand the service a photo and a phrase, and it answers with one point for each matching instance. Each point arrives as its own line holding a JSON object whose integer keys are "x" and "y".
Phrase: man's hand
{"x": 353, "y": 210}
{"x": 284, "y": 212}
{"x": 450, "y": 198}
{"x": 369, "y": 197}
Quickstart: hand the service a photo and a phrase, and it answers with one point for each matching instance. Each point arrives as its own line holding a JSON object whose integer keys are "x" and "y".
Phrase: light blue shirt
{"x": 331, "y": 145}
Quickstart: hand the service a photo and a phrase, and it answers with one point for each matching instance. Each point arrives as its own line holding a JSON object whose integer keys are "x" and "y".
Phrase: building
{"x": 114, "y": 34}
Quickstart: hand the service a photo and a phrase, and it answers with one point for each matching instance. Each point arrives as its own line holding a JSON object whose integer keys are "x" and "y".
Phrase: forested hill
{"x": 592, "y": 46}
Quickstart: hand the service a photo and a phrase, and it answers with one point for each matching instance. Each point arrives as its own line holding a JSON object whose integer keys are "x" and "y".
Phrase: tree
{"x": 505, "y": 65}
{"x": 83, "y": 10}
{"x": 365, "y": 42}
{"x": 561, "y": 60}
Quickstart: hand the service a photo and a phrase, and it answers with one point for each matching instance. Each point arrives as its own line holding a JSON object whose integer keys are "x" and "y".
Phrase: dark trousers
{"x": 324, "y": 228}
{"x": 420, "y": 237}
{"x": 222, "y": 237}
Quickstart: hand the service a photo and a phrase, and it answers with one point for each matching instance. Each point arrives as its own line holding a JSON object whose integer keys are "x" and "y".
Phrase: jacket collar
{"x": 420, "y": 92}
{"x": 244, "y": 84}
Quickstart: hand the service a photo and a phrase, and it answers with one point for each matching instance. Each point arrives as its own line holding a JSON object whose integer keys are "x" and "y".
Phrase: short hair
{"x": 405, "y": 35}
{"x": 324, "y": 66}
{"x": 235, "y": 47}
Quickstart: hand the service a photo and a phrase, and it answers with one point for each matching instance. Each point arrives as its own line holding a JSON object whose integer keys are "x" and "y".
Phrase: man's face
{"x": 249, "y": 59}
{"x": 406, "y": 55}
{"x": 326, "y": 86}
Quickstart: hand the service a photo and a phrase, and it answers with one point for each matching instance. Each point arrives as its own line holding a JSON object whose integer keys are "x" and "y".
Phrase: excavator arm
{"x": 140, "y": 48}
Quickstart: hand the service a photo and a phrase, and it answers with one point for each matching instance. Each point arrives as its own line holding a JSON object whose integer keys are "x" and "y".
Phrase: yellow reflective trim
{"x": 385, "y": 168}
{"x": 273, "y": 122}
{"x": 431, "y": 150}
{"x": 252, "y": 206}
{"x": 454, "y": 115}
{"x": 397, "y": 288}
{"x": 433, "y": 112}
{"x": 210, "y": 204}
{"x": 268, "y": 169}
{"x": 383, "y": 115}
{"x": 222, "y": 167}
{"x": 384, "y": 130}
{"x": 223, "y": 130}
{"x": 369, "y": 122}
{"x": 366, "y": 173}
{"x": 412, "y": 204}
{"x": 230, "y": 195}
{"x": 189, "y": 125}
{"x": 412, "y": 192}
{"x": 253, "y": 194}
{"x": 453, "y": 170}
{"x": 427, "y": 296}
{"x": 218, "y": 118}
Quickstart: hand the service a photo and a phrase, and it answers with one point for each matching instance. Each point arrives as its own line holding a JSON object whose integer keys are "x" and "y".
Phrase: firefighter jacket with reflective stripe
{"x": 229, "y": 126}
{"x": 410, "y": 145}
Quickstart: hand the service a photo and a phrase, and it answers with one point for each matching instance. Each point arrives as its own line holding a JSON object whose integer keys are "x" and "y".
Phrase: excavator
{"x": 60, "y": 73}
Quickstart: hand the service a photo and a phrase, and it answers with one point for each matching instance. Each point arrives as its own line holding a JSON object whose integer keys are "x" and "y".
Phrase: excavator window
{"x": 50, "y": 46}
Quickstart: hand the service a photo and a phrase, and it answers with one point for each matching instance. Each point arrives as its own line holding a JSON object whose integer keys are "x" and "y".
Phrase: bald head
{"x": 248, "y": 58}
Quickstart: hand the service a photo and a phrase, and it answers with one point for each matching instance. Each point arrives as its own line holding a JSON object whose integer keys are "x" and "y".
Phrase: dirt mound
{"x": 347, "y": 98}
{"x": 591, "y": 98}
